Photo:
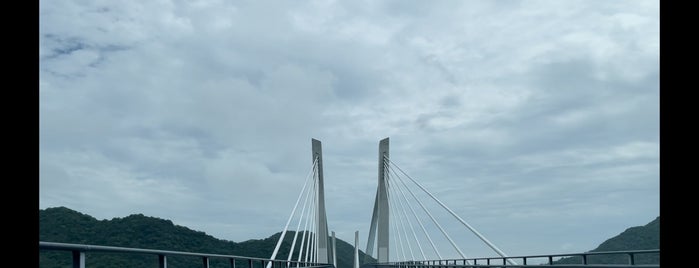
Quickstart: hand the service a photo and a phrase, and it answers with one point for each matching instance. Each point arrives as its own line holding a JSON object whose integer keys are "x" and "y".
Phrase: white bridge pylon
{"x": 389, "y": 210}
{"x": 318, "y": 248}
{"x": 386, "y": 202}
{"x": 379, "y": 217}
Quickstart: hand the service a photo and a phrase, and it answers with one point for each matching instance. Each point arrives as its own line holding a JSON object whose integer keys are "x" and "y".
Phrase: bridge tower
{"x": 379, "y": 219}
{"x": 324, "y": 254}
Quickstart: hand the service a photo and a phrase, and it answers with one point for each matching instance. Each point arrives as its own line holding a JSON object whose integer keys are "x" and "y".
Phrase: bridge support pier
{"x": 356, "y": 250}
{"x": 322, "y": 220}
{"x": 379, "y": 220}
{"x": 334, "y": 255}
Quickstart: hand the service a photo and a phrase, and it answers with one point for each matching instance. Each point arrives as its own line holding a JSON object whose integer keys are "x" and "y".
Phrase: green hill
{"x": 138, "y": 231}
{"x": 634, "y": 238}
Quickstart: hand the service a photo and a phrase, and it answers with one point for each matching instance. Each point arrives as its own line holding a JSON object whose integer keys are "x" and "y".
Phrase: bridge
{"x": 387, "y": 232}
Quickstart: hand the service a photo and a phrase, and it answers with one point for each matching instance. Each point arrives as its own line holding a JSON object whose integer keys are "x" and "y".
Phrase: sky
{"x": 535, "y": 121}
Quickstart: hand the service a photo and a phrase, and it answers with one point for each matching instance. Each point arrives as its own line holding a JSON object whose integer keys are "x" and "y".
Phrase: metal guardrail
{"x": 502, "y": 261}
{"x": 79, "y": 250}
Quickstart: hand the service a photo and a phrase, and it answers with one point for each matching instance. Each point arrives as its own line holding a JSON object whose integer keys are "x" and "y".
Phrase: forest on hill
{"x": 634, "y": 238}
{"x": 64, "y": 225}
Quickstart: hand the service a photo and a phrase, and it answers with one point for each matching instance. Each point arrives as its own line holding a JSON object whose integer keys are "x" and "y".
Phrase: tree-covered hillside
{"x": 138, "y": 231}
{"x": 634, "y": 238}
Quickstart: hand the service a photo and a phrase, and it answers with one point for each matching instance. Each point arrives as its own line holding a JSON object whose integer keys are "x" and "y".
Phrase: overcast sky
{"x": 536, "y": 121}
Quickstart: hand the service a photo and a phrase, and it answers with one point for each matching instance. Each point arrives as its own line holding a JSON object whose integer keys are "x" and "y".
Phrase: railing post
{"x": 250, "y": 263}
{"x": 524, "y": 261}
{"x": 631, "y": 259}
{"x": 78, "y": 259}
{"x": 205, "y": 262}
{"x": 584, "y": 258}
{"x": 232, "y": 262}
{"x": 550, "y": 260}
{"x": 488, "y": 261}
{"x": 162, "y": 261}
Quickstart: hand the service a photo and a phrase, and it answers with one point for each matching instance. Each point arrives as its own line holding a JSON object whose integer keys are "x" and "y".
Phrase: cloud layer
{"x": 536, "y": 121}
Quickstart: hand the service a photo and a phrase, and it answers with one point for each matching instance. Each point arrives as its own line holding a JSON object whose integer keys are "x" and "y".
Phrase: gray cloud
{"x": 535, "y": 121}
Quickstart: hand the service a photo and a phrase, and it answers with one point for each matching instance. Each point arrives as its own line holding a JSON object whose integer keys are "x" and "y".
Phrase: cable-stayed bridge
{"x": 398, "y": 235}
